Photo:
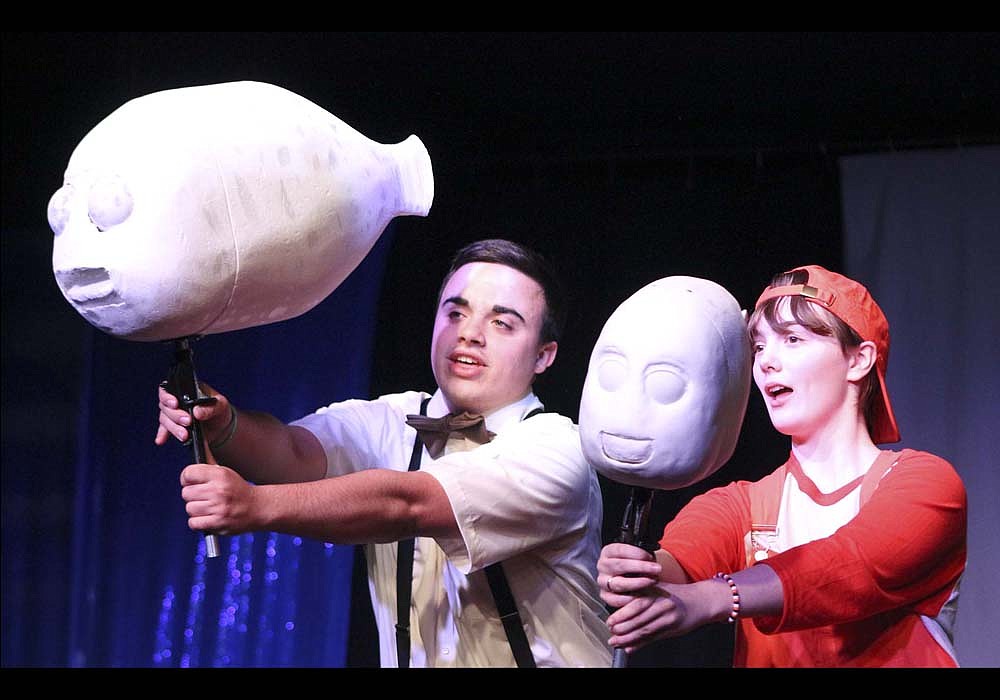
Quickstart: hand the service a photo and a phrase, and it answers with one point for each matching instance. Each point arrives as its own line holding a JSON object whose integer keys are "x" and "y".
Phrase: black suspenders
{"x": 506, "y": 605}
{"x": 404, "y": 570}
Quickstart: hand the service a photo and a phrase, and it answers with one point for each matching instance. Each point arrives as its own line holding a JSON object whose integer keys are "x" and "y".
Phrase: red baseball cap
{"x": 853, "y": 304}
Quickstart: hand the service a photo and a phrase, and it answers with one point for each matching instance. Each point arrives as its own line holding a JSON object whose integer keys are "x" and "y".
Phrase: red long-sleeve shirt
{"x": 881, "y": 590}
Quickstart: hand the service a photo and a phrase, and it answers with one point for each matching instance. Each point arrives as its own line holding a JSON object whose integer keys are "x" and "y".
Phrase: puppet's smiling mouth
{"x": 630, "y": 450}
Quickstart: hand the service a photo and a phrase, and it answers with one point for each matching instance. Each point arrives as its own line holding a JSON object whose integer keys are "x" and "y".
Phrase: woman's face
{"x": 801, "y": 375}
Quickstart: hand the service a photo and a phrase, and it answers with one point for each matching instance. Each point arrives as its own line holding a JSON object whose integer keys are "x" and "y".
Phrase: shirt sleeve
{"x": 706, "y": 535}
{"x": 358, "y": 435}
{"x": 906, "y": 547}
{"x": 529, "y": 487}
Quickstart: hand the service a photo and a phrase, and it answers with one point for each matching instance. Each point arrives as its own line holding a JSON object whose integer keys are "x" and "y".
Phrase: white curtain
{"x": 922, "y": 231}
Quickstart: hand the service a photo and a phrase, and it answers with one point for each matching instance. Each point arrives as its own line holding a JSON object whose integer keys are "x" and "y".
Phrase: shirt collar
{"x": 498, "y": 419}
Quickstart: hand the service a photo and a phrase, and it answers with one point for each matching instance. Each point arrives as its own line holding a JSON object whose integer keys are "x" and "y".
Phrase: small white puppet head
{"x": 667, "y": 385}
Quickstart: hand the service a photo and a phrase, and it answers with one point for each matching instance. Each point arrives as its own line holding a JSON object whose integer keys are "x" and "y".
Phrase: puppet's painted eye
{"x": 665, "y": 385}
{"x": 611, "y": 372}
{"x": 58, "y": 211}
{"x": 110, "y": 202}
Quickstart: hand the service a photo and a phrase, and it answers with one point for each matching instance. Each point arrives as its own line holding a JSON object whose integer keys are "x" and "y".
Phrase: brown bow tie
{"x": 435, "y": 432}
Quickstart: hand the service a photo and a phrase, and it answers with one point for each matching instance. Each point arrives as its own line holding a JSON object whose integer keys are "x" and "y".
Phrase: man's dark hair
{"x": 526, "y": 261}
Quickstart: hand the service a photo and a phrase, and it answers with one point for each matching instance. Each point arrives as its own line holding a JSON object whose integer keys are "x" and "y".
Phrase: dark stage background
{"x": 625, "y": 156}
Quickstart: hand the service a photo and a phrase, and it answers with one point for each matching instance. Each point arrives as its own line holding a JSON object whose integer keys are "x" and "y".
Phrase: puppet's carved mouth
{"x": 630, "y": 450}
{"x": 88, "y": 287}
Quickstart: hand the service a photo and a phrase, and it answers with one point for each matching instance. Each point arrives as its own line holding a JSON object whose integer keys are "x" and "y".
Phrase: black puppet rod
{"x": 182, "y": 382}
{"x": 635, "y": 531}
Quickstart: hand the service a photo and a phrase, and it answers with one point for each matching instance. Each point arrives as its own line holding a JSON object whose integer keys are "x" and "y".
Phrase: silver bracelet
{"x": 230, "y": 430}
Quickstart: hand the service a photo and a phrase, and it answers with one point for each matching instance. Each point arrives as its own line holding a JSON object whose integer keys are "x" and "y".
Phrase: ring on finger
{"x": 608, "y": 584}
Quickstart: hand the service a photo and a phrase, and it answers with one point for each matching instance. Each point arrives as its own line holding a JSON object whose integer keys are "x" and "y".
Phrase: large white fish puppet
{"x": 667, "y": 385}
{"x": 214, "y": 208}
{"x": 206, "y": 209}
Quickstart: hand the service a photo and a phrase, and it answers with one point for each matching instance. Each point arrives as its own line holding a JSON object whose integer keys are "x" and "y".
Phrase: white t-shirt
{"x": 528, "y": 498}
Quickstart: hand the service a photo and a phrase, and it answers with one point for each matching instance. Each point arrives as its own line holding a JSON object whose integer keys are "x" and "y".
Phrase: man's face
{"x": 486, "y": 350}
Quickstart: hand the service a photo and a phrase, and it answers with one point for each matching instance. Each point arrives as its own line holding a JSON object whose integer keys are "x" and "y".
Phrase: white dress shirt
{"x": 528, "y": 498}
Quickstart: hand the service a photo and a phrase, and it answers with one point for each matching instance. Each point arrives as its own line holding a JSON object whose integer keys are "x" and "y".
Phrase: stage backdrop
{"x": 922, "y": 230}
{"x": 99, "y": 568}
{"x": 143, "y": 593}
